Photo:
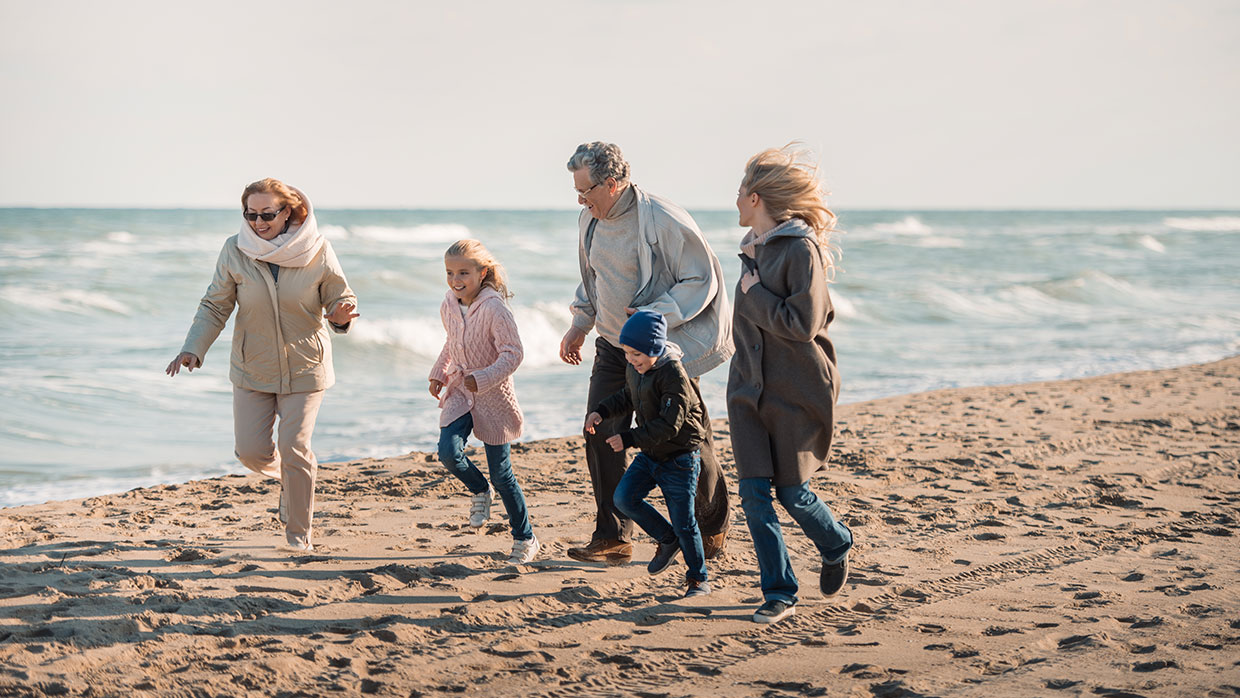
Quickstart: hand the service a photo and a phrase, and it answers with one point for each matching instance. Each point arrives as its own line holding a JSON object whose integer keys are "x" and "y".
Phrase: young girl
{"x": 783, "y": 382}
{"x": 473, "y": 380}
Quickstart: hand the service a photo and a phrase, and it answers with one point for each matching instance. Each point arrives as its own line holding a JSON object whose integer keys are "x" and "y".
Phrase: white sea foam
{"x": 121, "y": 236}
{"x": 75, "y": 301}
{"x": 437, "y": 233}
{"x": 1149, "y": 242}
{"x": 422, "y": 336}
{"x": 909, "y": 225}
{"x": 1214, "y": 224}
{"x": 334, "y": 232}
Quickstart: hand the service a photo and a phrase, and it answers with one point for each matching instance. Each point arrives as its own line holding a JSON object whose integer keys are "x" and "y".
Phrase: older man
{"x": 640, "y": 252}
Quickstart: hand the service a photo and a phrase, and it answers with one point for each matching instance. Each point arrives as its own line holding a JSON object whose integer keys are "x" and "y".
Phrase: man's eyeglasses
{"x": 269, "y": 217}
{"x": 582, "y": 194}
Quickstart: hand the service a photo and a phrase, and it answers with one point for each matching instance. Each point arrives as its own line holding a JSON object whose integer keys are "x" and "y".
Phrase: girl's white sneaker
{"x": 524, "y": 550}
{"x": 480, "y": 508}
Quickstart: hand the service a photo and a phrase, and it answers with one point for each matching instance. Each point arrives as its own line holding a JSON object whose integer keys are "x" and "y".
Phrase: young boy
{"x": 669, "y": 432}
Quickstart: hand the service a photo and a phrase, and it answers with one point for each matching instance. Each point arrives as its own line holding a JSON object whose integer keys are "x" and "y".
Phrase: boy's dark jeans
{"x": 607, "y": 466}
{"x": 678, "y": 479}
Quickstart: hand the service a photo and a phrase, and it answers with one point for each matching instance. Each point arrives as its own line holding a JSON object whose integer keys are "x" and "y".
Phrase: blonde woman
{"x": 783, "y": 380}
{"x": 283, "y": 278}
{"x": 473, "y": 380}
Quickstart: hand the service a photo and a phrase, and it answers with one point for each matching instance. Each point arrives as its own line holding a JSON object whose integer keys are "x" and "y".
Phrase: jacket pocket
{"x": 305, "y": 355}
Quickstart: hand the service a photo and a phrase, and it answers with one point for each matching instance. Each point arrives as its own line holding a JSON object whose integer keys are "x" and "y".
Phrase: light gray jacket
{"x": 679, "y": 277}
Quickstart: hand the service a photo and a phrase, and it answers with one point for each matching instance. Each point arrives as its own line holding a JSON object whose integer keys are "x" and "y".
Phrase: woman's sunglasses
{"x": 269, "y": 217}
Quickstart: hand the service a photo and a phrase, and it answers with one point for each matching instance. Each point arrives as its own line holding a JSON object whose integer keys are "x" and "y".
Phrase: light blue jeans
{"x": 452, "y": 454}
{"x": 832, "y": 538}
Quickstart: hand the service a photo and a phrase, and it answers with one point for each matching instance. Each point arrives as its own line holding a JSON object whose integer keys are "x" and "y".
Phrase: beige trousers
{"x": 254, "y": 416}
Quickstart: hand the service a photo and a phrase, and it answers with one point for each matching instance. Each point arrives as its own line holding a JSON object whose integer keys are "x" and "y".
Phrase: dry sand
{"x": 1072, "y": 538}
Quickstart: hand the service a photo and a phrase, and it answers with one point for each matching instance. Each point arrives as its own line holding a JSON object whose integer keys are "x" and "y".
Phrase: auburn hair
{"x": 286, "y": 195}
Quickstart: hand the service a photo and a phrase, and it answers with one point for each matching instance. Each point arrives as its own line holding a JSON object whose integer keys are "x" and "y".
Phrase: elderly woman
{"x": 284, "y": 279}
{"x": 783, "y": 381}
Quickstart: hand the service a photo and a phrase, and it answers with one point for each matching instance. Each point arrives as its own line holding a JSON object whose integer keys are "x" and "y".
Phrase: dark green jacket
{"x": 668, "y": 408}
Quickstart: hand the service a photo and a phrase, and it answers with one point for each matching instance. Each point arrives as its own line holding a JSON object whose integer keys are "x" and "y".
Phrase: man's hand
{"x": 570, "y": 346}
{"x": 616, "y": 443}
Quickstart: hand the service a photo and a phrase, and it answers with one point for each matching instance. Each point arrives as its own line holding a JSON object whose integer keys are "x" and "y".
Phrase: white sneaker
{"x": 524, "y": 550}
{"x": 480, "y": 508}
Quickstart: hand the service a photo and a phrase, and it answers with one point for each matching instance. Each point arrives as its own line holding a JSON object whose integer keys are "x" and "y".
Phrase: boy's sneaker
{"x": 524, "y": 550}
{"x": 773, "y": 611}
{"x": 831, "y": 579}
{"x": 480, "y": 508}
{"x": 664, "y": 556}
{"x": 697, "y": 588}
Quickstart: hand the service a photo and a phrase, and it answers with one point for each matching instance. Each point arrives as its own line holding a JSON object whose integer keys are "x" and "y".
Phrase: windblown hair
{"x": 602, "y": 159}
{"x": 477, "y": 253}
{"x": 283, "y": 193}
{"x": 786, "y": 179}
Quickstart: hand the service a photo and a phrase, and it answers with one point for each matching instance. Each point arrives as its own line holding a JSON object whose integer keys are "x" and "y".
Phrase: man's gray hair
{"x": 603, "y": 160}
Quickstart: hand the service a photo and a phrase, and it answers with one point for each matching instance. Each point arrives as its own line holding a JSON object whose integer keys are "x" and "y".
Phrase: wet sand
{"x": 1073, "y": 538}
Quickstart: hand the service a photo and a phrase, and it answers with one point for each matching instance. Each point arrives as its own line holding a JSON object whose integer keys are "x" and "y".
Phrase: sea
{"x": 96, "y": 302}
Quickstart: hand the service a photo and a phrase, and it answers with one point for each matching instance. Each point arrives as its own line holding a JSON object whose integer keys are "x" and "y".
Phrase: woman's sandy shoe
{"x": 524, "y": 550}
{"x": 773, "y": 611}
{"x": 480, "y": 508}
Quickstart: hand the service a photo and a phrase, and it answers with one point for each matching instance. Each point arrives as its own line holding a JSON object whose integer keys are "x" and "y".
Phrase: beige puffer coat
{"x": 280, "y": 342}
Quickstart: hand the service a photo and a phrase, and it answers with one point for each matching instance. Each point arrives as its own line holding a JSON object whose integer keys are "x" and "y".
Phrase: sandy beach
{"x": 1072, "y": 538}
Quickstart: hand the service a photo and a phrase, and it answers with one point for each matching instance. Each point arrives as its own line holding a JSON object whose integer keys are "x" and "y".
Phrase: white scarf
{"x": 293, "y": 248}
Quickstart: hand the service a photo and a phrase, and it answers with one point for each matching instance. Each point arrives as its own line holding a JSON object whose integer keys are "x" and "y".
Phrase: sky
{"x": 950, "y": 104}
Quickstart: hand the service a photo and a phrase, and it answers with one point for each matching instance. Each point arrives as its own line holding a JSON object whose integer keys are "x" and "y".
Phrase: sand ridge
{"x": 1069, "y": 538}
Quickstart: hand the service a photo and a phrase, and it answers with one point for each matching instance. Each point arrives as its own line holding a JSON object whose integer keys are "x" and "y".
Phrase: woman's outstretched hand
{"x": 342, "y": 314}
{"x": 186, "y": 359}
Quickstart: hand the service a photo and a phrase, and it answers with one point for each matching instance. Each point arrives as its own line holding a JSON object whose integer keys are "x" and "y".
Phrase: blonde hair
{"x": 285, "y": 194}
{"x": 477, "y": 253}
{"x": 786, "y": 179}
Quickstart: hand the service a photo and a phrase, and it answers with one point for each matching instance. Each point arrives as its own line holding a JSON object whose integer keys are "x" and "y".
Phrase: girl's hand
{"x": 342, "y": 314}
{"x": 592, "y": 419}
{"x": 186, "y": 359}
{"x": 616, "y": 443}
{"x": 471, "y": 384}
{"x": 436, "y": 386}
{"x": 749, "y": 280}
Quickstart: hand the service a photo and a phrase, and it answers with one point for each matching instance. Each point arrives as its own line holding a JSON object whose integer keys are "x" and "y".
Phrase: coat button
{"x": 756, "y": 347}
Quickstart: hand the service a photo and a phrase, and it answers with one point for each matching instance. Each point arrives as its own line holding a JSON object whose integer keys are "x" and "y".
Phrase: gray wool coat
{"x": 783, "y": 382}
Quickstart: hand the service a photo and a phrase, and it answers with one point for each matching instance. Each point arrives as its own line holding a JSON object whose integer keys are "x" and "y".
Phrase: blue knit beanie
{"x": 645, "y": 331}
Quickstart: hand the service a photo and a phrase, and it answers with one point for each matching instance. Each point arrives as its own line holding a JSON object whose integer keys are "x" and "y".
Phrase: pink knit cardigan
{"x": 485, "y": 345}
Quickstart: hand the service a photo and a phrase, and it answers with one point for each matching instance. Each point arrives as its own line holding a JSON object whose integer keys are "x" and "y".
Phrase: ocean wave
{"x": 1149, "y": 242}
{"x": 76, "y": 301}
{"x": 909, "y": 225}
{"x": 541, "y": 327}
{"x": 446, "y": 233}
{"x": 122, "y": 236}
{"x": 1208, "y": 224}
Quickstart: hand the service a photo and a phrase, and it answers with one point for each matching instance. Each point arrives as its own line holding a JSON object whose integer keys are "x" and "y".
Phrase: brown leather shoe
{"x": 612, "y": 552}
{"x": 712, "y": 546}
